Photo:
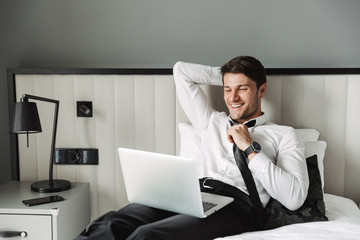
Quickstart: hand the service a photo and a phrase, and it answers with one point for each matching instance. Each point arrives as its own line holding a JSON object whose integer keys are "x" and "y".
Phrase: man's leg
{"x": 120, "y": 224}
{"x": 233, "y": 219}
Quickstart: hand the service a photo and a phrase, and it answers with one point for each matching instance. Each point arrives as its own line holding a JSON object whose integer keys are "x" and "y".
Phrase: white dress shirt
{"x": 279, "y": 169}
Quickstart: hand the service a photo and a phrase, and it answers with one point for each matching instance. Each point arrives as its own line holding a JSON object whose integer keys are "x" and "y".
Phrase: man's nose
{"x": 234, "y": 96}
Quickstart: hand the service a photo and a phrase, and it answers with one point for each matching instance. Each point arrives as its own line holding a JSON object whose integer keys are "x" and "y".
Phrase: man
{"x": 279, "y": 168}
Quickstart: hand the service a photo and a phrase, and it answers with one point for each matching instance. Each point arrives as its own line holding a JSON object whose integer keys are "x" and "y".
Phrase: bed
{"x": 344, "y": 223}
{"x": 321, "y": 103}
{"x": 343, "y": 214}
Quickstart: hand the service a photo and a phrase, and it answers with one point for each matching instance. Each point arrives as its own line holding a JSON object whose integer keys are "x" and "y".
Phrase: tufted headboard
{"x": 137, "y": 108}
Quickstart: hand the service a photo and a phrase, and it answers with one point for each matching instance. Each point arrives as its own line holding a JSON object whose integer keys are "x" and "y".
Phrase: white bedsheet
{"x": 344, "y": 223}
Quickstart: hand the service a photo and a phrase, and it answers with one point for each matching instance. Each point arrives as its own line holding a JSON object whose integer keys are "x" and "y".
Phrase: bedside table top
{"x": 14, "y": 192}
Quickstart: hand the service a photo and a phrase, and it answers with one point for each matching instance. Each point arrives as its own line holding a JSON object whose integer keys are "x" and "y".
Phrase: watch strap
{"x": 249, "y": 150}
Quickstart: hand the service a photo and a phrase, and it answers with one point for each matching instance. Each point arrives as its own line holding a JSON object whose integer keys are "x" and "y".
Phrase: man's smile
{"x": 237, "y": 105}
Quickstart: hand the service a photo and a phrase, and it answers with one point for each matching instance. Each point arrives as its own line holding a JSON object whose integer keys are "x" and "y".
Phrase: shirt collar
{"x": 261, "y": 120}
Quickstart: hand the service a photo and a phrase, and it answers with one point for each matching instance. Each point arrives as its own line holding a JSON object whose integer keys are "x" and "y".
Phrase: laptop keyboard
{"x": 208, "y": 205}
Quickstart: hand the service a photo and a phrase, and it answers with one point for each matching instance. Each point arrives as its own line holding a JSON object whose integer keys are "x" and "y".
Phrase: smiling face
{"x": 242, "y": 97}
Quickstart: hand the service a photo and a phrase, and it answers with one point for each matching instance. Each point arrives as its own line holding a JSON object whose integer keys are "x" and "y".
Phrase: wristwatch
{"x": 254, "y": 147}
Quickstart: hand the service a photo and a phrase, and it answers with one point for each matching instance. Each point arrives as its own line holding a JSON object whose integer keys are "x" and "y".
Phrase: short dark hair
{"x": 247, "y": 65}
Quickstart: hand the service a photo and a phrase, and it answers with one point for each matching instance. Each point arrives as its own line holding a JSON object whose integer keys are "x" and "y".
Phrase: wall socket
{"x": 82, "y": 156}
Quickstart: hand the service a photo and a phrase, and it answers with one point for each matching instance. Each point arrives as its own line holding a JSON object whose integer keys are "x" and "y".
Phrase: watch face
{"x": 256, "y": 146}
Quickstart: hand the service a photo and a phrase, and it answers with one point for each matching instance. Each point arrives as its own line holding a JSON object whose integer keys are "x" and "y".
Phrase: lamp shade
{"x": 25, "y": 118}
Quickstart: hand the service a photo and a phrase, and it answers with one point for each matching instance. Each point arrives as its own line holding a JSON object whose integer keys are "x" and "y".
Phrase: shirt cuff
{"x": 217, "y": 76}
{"x": 259, "y": 163}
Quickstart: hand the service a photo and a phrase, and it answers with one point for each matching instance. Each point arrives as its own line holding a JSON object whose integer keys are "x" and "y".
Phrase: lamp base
{"x": 45, "y": 187}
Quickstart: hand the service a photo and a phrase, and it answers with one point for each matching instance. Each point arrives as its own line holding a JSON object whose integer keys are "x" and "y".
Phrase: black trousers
{"x": 141, "y": 222}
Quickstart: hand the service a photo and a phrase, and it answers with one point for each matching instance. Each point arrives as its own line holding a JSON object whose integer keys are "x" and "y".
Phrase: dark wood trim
{"x": 103, "y": 71}
{"x": 168, "y": 71}
{"x": 14, "y": 149}
{"x": 311, "y": 71}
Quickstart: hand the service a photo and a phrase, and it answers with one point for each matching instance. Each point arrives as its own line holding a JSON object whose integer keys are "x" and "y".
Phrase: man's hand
{"x": 239, "y": 134}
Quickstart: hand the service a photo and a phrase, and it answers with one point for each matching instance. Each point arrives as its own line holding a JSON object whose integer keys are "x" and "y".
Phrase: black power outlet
{"x": 81, "y": 156}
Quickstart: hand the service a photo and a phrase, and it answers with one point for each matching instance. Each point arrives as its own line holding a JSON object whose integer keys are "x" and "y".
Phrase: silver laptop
{"x": 166, "y": 182}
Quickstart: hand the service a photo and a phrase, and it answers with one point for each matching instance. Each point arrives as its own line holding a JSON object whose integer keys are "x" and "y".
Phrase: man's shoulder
{"x": 282, "y": 134}
{"x": 278, "y": 128}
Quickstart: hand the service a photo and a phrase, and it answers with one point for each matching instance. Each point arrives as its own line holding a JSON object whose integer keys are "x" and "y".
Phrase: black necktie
{"x": 240, "y": 160}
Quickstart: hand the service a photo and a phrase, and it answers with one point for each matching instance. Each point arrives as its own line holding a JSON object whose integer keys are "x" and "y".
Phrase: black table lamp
{"x": 25, "y": 121}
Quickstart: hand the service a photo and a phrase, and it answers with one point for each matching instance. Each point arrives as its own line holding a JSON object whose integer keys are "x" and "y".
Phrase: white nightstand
{"x": 63, "y": 220}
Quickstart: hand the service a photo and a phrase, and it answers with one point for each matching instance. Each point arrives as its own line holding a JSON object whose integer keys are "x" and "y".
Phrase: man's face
{"x": 241, "y": 96}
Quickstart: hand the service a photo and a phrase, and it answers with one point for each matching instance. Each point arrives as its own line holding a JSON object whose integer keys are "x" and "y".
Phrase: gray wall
{"x": 156, "y": 33}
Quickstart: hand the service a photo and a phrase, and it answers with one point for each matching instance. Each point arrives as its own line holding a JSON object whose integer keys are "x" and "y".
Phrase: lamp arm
{"x": 51, "y": 163}
{"x": 25, "y": 98}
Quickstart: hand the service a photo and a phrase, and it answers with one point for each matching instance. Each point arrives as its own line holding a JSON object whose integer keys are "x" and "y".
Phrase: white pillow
{"x": 307, "y": 134}
{"x": 309, "y": 137}
{"x": 341, "y": 208}
{"x": 318, "y": 148}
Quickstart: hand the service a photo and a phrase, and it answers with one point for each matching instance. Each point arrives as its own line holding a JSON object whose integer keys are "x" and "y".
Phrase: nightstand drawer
{"x": 37, "y": 227}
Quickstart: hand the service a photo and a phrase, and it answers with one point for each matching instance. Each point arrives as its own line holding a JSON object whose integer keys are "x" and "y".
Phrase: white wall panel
{"x": 125, "y": 126}
{"x": 125, "y": 111}
{"x": 44, "y": 86}
{"x": 105, "y": 140}
{"x": 66, "y": 122}
{"x": 334, "y": 132}
{"x": 352, "y": 166}
{"x": 164, "y": 115}
{"x": 84, "y": 90}
{"x": 313, "y": 102}
{"x": 292, "y": 101}
{"x": 84, "y": 134}
{"x": 271, "y": 103}
{"x": 142, "y": 112}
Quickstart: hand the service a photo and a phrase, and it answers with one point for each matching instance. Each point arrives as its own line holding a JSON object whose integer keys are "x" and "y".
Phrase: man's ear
{"x": 262, "y": 90}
